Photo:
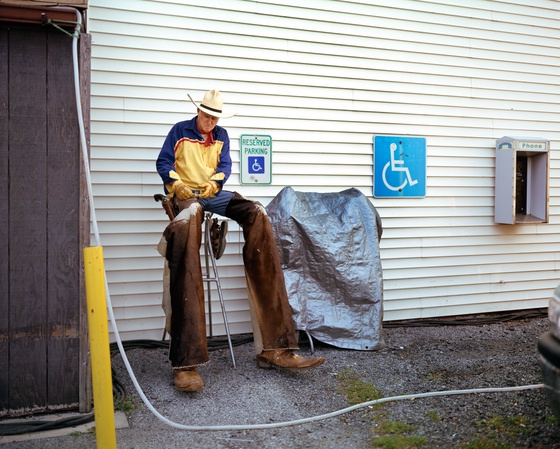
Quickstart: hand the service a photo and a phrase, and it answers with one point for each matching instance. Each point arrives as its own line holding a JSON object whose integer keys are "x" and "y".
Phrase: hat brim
{"x": 210, "y": 111}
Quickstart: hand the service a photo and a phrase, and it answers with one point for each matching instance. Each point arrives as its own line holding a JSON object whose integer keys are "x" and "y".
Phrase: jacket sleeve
{"x": 165, "y": 163}
{"x": 224, "y": 165}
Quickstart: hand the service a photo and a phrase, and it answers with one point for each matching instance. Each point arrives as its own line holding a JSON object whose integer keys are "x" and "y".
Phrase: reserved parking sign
{"x": 255, "y": 159}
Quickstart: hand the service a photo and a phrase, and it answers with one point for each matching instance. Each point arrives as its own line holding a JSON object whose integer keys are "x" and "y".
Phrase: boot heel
{"x": 263, "y": 363}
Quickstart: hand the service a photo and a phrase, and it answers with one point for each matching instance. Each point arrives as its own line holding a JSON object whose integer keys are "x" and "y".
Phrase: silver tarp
{"x": 329, "y": 248}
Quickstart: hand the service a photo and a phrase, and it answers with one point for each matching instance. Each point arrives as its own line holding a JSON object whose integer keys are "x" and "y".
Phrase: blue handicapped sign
{"x": 399, "y": 166}
{"x": 256, "y": 164}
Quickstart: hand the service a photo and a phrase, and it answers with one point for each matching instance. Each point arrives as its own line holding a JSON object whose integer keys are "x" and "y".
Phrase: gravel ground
{"x": 415, "y": 360}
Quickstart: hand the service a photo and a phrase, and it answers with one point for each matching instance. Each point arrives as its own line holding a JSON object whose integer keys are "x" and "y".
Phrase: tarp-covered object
{"x": 329, "y": 247}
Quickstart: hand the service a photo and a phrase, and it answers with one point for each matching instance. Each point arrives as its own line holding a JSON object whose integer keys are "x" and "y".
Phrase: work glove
{"x": 181, "y": 190}
{"x": 208, "y": 189}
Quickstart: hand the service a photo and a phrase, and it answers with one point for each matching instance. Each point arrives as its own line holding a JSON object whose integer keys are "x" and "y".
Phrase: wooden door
{"x": 40, "y": 247}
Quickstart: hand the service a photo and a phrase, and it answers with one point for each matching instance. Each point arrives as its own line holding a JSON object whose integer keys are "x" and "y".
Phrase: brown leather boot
{"x": 285, "y": 358}
{"x": 218, "y": 234}
{"x": 187, "y": 379}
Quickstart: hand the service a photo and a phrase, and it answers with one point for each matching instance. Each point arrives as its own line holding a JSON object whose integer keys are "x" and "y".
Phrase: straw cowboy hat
{"x": 212, "y": 104}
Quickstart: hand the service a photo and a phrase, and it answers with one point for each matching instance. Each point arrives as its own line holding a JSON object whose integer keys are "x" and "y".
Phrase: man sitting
{"x": 194, "y": 164}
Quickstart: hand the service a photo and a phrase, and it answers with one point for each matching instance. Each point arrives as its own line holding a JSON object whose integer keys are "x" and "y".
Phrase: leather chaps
{"x": 263, "y": 271}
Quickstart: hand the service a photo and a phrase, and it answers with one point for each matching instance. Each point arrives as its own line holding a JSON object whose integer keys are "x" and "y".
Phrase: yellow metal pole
{"x": 99, "y": 349}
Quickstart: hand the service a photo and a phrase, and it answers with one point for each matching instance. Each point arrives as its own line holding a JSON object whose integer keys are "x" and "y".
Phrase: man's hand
{"x": 181, "y": 190}
{"x": 208, "y": 189}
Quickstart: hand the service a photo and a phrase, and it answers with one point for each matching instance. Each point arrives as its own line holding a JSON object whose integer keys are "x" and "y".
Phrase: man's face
{"x": 206, "y": 122}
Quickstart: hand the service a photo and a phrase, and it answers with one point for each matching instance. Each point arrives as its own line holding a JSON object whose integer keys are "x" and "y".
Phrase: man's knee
{"x": 181, "y": 205}
{"x": 242, "y": 210}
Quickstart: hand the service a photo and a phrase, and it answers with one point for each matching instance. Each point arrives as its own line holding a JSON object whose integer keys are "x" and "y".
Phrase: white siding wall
{"x": 322, "y": 77}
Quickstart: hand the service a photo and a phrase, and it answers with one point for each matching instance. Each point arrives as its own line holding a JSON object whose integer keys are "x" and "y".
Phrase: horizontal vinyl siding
{"x": 322, "y": 77}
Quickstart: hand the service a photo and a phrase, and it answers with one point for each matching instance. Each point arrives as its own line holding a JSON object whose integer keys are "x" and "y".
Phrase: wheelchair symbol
{"x": 256, "y": 164}
{"x": 397, "y": 166}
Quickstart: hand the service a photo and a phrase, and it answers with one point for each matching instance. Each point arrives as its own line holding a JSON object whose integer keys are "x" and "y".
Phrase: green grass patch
{"x": 399, "y": 442}
{"x": 126, "y": 405}
{"x": 434, "y": 416}
{"x": 496, "y": 430}
{"x": 393, "y": 435}
{"x": 394, "y": 427}
{"x": 390, "y": 434}
{"x": 436, "y": 376}
{"x": 510, "y": 426}
{"x": 485, "y": 443}
{"x": 552, "y": 419}
{"x": 356, "y": 390}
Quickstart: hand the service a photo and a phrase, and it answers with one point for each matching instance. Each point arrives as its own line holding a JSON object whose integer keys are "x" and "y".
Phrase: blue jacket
{"x": 187, "y": 157}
